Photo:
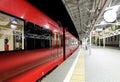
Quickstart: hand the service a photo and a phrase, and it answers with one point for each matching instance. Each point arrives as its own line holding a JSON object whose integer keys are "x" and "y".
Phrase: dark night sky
{"x": 56, "y": 10}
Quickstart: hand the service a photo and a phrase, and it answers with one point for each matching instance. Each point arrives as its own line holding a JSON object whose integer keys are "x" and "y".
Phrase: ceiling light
{"x": 13, "y": 26}
{"x": 110, "y": 16}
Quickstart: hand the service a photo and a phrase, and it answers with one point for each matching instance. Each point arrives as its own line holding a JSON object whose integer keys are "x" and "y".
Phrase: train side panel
{"x": 31, "y": 43}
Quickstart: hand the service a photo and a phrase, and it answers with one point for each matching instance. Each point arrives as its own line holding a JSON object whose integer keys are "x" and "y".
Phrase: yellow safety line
{"x": 78, "y": 74}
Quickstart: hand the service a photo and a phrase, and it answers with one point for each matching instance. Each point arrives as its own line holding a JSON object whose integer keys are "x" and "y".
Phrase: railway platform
{"x": 102, "y": 65}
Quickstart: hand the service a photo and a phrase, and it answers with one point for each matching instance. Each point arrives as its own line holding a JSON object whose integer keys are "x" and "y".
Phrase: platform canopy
{"x": 85, "y": 14}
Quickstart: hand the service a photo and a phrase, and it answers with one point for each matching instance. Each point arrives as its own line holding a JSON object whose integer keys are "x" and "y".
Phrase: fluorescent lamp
{"x": 13, "y": 26}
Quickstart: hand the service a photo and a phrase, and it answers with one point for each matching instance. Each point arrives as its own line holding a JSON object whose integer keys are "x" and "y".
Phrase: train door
{"x": 58, "y": 45}
{"x": 17, "y": 40}
{"x": 55, "y": 48}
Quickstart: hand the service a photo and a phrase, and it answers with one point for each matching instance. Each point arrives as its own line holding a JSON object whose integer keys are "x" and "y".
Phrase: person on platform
{"x": 6, "y": 45}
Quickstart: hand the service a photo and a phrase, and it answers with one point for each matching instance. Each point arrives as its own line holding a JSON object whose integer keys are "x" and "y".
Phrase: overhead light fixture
{"x": 47, "y": 26}
{"x": 55, "y": 30}
{"x": 13, "y": 20}
{"x": 13, "y": 26}
{"x": 102, "y": 22}
{"x": 110, "y": 16}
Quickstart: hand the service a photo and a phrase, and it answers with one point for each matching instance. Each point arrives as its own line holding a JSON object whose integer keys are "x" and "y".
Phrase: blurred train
{"x": 31, "y": 44}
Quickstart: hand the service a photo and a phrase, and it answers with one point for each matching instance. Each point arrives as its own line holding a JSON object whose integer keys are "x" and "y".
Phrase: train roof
{"x": 24, "y": 10}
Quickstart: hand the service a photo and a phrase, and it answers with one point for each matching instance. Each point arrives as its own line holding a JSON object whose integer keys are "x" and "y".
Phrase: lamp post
{"x": 90, "y": 43}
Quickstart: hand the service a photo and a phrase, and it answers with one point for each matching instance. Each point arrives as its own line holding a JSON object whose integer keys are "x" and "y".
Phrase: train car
{"x": 31, "y": 44}
{"x": 71, "y": 43}
{"x": 112, "y": 41}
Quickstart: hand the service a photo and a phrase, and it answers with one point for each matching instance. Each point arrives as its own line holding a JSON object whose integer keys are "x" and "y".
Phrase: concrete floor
{"x": 103, "y": 65}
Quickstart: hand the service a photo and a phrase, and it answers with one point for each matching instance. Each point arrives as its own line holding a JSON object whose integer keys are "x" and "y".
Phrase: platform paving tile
{"x": 103, "y": 65}
{"x": 79, "y": 73}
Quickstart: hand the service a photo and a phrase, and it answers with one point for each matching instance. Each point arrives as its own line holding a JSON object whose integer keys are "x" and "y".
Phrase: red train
{"x": 31, "y": 44}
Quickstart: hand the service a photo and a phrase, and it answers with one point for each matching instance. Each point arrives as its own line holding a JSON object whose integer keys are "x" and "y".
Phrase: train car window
{"x": 54, "y": 39}
{"x": 61, "y": 40}
{"x": 67, "y": 41}
{"x": 37, "y": 37}
{"x": 11, "y": 33}
{"x": 57, "y": 42}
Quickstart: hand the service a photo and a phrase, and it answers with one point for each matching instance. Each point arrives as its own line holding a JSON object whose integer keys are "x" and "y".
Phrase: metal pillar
{"x": 64, "y": 44}
{"x": 104, "y": 42}
{"x": 90, "y": 43}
